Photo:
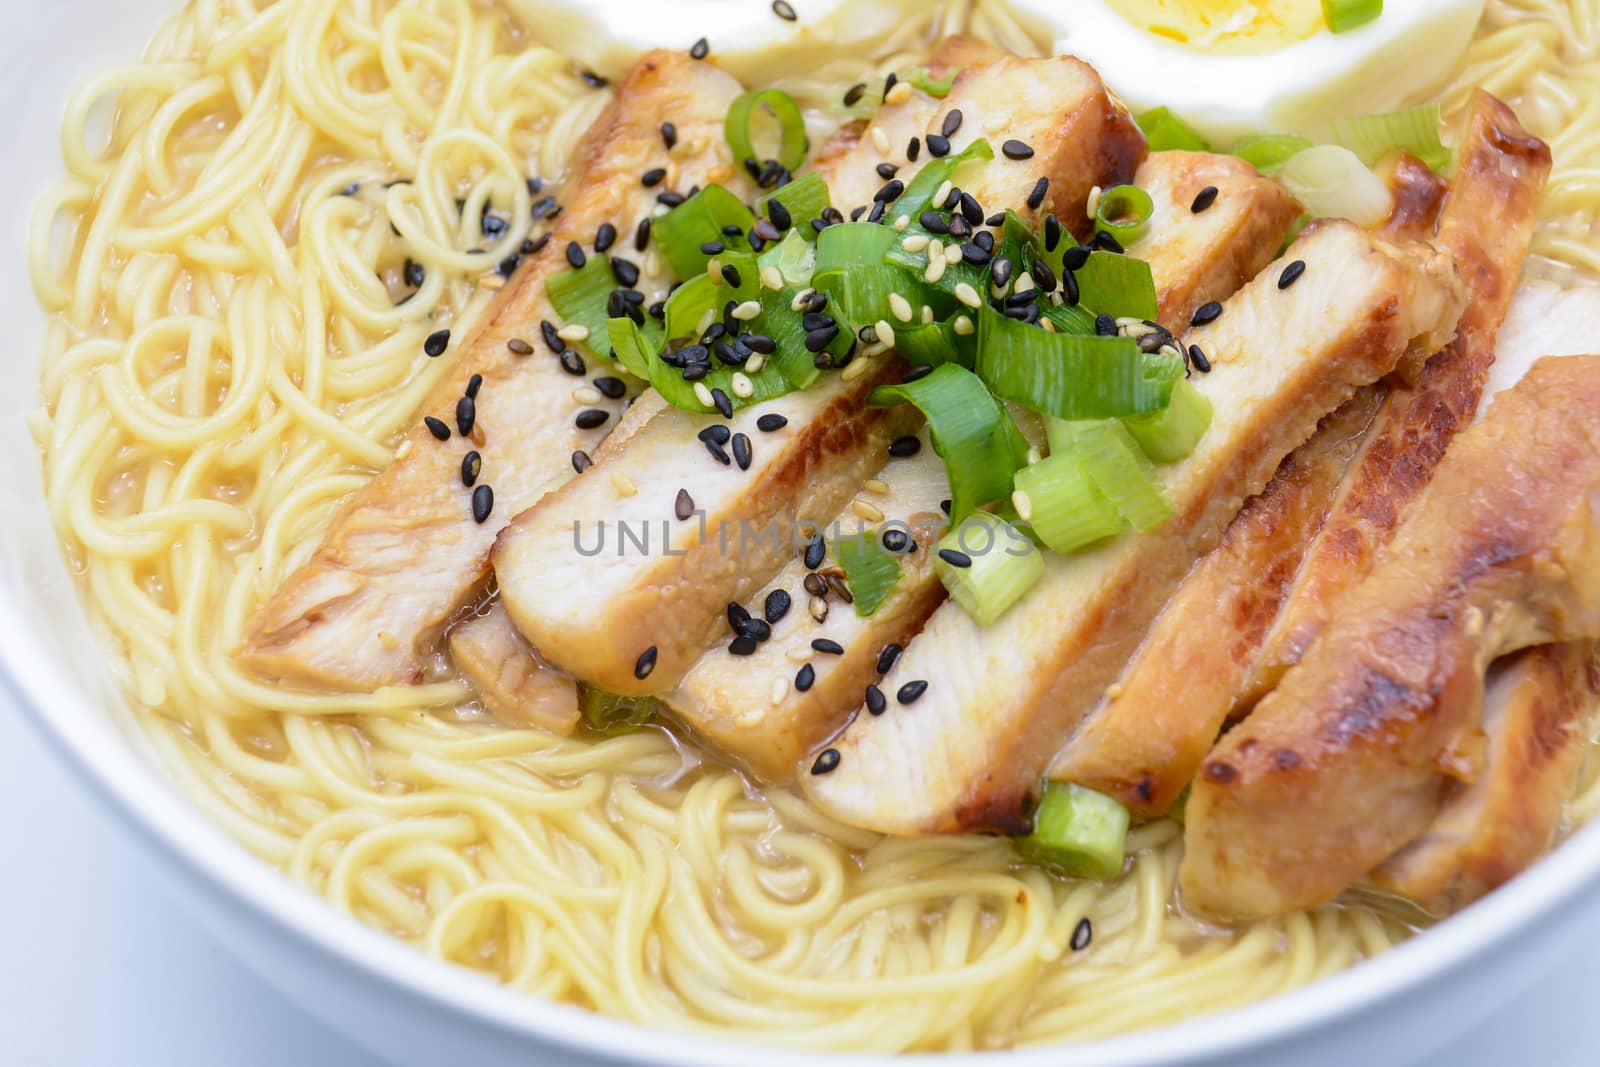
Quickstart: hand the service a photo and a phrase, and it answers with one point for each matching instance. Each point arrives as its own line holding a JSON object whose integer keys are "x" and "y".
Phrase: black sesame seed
{"x": 933, "y": 222}
{"x": 492, "y": 225}
{"x": 589, "y": 418}
{"x": 716, "y": 434}
{"x": 783, "y": 10}
{"x": 669, "y": 135}
{"x": 1052, "y": 232}
{"x": 888, "y": 657}
{"x": 641, "y": 235}
{"x": 1015, "y": 149}
{"x": 887, "y": 170}
{"x": 778, "y": 212}
{"x": 700, "y": 49}
{"x": 852, "y": 95}
{"x": 896, "y": 542}
{"x": 816, "y": 549}
{"x": 717, "y": 453}
{"x": 508, "y": 266}
{"x": 738, "y": 615}
{"x": 938, "y": 147}
{"x": 436, "y": 427}
{"x": 889, "y": 83}
{"x": 1105, "y": 326}
{"x": 815, "y": 584}
{"x": 653, "y": 177}
{"x": 614, "y": 388}
{"x": 960, "y": 227}
{"x": 1107, "y": 243}
{"x": 827, "y": 762}
{"x": 917, "y": 373}
{"x": 723, "y": 403}
{"x": 743, "y": 646}
{"x": 730, "y": 274}
{"x": 1000, "y": 273}
{"x": 771, "y": 423}
{"x": 625, "y": 271}
{"x": 911, "y": 691}
{"x": 1036, "y": 198}
{"x": 890, "y": 192}
{"x": 645, "y": 663}
{"x": 876, "y": 701}
{"x": 913, "y": 149}
{"x": 755, "y": 629}
{"x": 760, "y": 342}
{"x": 474, "y": 383}
{"x": 1069, "y": 288}
{"x": 436, "y": 343}
{"x": 581, "y": 461}
{"x": 1207, "y": 313}
{"x": 996, "y": 220}
{"x": 575, "y": 255}
{"x": 879, "y": 210}
{"x": 777, "y": 605}
{"x": 955, "y": 558}
{"x": 414, "y": 274}
{"x": 971, "y": 210}
{"x": 1198, "y": 357}
{"x": 1082, "y": 934}
{"x": 482, "y": 504}
{"x": 1204, "y": 199}
{"x": 741, "y": 448}
{"x": 827, "y": 646}
{"x": 466, "y": 415}
{"x": 683, "y": 507}
{"x": 944, "y": 506}
{"x": 593, "y": 80}
{"x": 471, "y": 467}
{"x": 909, "y": 445}
{"x": 605, "y": 237}
{"x": 952, "y": 122}
{"x": 350, "y": 190}
{"x": 805, "y": 677}
{"x": 573, "y": 363}
{"x": 1291, "y": 273}
{"x": 1075, "y": 257}
{"x": 1044, "y": 276}
{"x": 820, "y": 338}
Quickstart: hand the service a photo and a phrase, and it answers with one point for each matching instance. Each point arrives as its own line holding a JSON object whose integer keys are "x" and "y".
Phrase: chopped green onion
{"x": 1002, "y": 565}
{"x": 1345, "y": 15}
{"x": 1169, "y": 435}
{"x": 1332, "y": 182}
{"x": 1069, "y": 376}
{"x": 795, "y": 258}
{"x": 1270, "y": 152}
{"x": 1069, "y": 319}
{"x": 1414, "y": 130}
{"x": 581, "y": 297}
{"x": 870, "y": 572}
{"x": 971, "y": 430}
{"x": 939, "y": 342}
{"x": 918, "y": 196}
{"x": 1166, "y": 132}
{"x": 608, "y": 713}
{"x": 852, "y": 271}
{"x": 805, "y": 198}
{"x": 920, "y": 78}
{"x": 792, "y": 144}
{"x": 1120, "y": 286}
{"x": 697, "y": 221}
{"x": 1119, "y": 469}
{"x": 1124, "y": 213}
{"x": 1068, "y": 511}
{"x": 1079, "y": 832}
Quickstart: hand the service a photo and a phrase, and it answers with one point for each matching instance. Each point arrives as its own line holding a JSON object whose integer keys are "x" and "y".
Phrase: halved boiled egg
{"x": 756, "y": 40}
{"x": 1235, "y": 68}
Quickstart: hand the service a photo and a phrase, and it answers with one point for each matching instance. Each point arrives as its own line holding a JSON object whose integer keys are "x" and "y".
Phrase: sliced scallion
{"x": 1166, "y": 132}
{"x": 1414, "y": 130}
{"x": 699, "y": 221}
{"x": 870, "y": 572}
{"x": 1343, "y": 16}
{"x": 608, "y": 713}
{"x": 922, "y": 79}
{"x": 1120, "y": 286}
{"x": 1002, "y": 565}
{"x": 791, "y": 127}
{"x": 1070, "y": 376}
{"x": 1331, "y": 182}
{"x": 1118, "y": 467}
{"x": 580, "y": 298}
{"x": 1169, "y": 435}
{"x": 1269, "y": 152}
{"x": 1124, "y": 213}
{"x": 971, "y": 431}
{"x": 804, "y": 199}
{"x": 1068, "y": 511}
{"x": 1079, "y": 832}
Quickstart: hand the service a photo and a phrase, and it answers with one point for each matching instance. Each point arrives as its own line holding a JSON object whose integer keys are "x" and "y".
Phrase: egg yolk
{"x": 1235, "y": 27}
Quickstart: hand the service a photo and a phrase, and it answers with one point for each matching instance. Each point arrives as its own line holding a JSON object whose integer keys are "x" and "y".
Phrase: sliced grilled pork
{"x": 512, "y": 684}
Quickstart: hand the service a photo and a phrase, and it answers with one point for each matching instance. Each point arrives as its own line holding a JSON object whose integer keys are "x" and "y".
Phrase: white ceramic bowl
{"x": 413, "y": 1010}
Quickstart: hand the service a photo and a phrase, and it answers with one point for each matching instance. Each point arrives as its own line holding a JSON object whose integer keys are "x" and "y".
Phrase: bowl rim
{"x": 152, "y": 805}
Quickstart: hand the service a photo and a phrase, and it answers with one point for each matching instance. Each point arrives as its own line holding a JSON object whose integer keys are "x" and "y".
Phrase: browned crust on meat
{"x": 1486, "y": 224}
{"x": 1490, "y": 830}
{"x": 1419, "y": 196}
{"x": 1348, "y": 759}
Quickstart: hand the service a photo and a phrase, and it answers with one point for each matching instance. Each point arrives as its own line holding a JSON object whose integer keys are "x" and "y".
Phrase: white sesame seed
{"x": 573, "y": 332}
{"x": 963, "y": 325}
{"x": 799, "y": 654}
{"x": 943, "y": 194}
{"x": 935, "y": 248}
{"x": 1034, "y": 455}
{"x": 1093, "y": 205}
{"x": 623, "y": 484}
{"x": 780, "y": 690}
{"x": 706, "y": 320}
{"x": 900, "y": 307}
{"x": 968, "y": 295}
{"x": 404, "y": 450}
{"x": 797, "y": 303}
{"x": 856, "y": 368}
{"x": 772, "y": 278}
{"x": 1024, "y": 505}
{"x": 819, "y": 609}
{"x": 755, "y": 363}
{"x": 654, "y": 264}
{"x": 1136, "y": 330}
{"x": 586, "y": 394}
{"x": 743, "y": 387}
{"x": 880, "y": 140}
{"x": 902, "y": 224}
{"x": 866, "y": 512}
{"x": 1114, "y": 690}
{"x": 491, "y": 281}
{"x": 703, "y": 394}
{"x": 714, "y": 270}
{"x": 750, "y": 309}
{"x": 927, "y": 315}
{"x": 915, "y": 243}
{"x": 885, "y": 333}
{"x": 952, "y": 254}
{"x": 899, "y": 94}
{"x": 1129, "y": 320}
{"x": 1025, "y": 282}
{"x": 876, "y": 486}
{"x": 1047, "y": 326}
{"x": 753, "y": 717}
{"x": 935, "y": 270}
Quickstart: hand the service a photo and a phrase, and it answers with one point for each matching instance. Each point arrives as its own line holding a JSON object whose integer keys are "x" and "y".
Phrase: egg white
{"x": 746, "y": 37}
{"x": 1300, "y": 88}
